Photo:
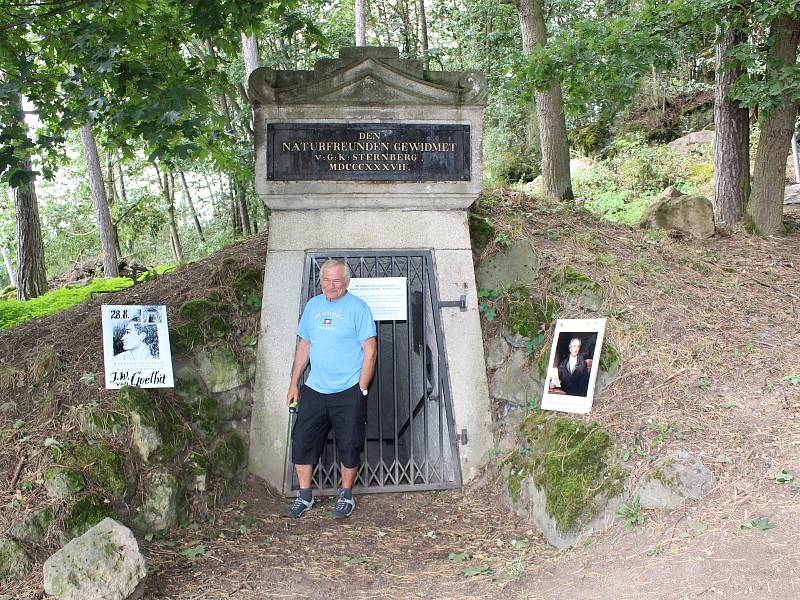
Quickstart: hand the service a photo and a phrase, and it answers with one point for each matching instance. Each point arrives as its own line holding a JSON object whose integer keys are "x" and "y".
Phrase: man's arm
{"x": 370, "y": 346}
{"x": 299, "y": 365}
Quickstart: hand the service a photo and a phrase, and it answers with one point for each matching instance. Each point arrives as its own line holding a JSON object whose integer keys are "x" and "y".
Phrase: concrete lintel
{"x": 368, "y": 229}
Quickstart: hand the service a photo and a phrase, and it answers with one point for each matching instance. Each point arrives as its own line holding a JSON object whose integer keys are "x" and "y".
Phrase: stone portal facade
{"x": 343, "y": 203}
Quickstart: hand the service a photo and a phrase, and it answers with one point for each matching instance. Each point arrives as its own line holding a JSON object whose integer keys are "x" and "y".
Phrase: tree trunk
{"x": 361, "y": 23}
{"x": 169, "y": 194}
{"x": 31, "y": 277}
{"x": 105, "y": 226}
{"x": 249, "y": 54}
{"x": 765, "y": 207}
{"x": 732, "y": 137}
{"x": 191, "y": 206}
{"x": 549, "y": 109}
{"x": 12, "y": 275}
{"x": 423, "y": 32}
{"x": 111, "y": 186}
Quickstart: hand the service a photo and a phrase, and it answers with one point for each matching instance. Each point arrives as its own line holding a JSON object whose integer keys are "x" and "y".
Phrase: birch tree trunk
{"x": 12, "y": 275}
{"x": 102, "y": 213}
{"x": 765, "y": 208}
{"x": 549, "y": 108}
{"x": 732, "y": 137}
{"x": 169, "y": 194}
{"x": 361, "y": 23}
{"x": 249, "y": 54}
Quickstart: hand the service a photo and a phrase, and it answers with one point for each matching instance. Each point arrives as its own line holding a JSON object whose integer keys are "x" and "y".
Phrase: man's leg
{"x": 348, "y": 476}
{"x": 304, "y": 475}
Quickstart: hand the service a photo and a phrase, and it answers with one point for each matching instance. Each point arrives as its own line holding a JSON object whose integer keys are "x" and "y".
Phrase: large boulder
{"x": 674, "y": 479}
{"x": 102, "y": 564}
{"x": 565, "y": 477}
{"x": 516, "y": 266}
{"x": 693, "y": 216}
{"x": 692, "y": 141}
{"x": 14, "y": 562}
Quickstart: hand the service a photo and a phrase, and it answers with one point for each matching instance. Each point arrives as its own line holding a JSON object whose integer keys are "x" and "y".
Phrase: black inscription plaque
{"x": 367, "y": 152}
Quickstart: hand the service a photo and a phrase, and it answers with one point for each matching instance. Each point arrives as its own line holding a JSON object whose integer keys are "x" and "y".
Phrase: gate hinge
{"x": 462, "y": 437}
{"x": 461, "y": 303}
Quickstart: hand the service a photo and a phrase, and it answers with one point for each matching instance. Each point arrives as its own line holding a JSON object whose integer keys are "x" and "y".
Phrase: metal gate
{"x": 410, "y": 440}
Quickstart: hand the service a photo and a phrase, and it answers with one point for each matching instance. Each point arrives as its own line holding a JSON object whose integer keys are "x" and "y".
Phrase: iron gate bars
{"x": 411, "y": 443}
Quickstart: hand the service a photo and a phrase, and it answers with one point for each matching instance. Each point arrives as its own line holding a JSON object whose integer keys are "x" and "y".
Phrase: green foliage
{"x": 14, "y": 312}
{"x": 571, "y": 461}
{"x": 631, "y": 514}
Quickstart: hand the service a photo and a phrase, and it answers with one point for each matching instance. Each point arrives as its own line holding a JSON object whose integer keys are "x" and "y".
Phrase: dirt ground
{"x": 709, "y": 334}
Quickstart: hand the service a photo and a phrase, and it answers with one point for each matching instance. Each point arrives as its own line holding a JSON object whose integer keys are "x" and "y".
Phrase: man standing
{"x": 573, "y": 372}
{"x": 337, "y": 335}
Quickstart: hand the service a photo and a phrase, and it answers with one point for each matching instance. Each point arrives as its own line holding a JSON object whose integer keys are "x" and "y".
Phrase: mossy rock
{"x": 102, "y": 465}
{"x": 199, "y": 309}
{"x": 186, "y": 337}
{"x": 529, "y": 317}
{"x": 14, "y": 562}
{"x": 97, "y": 422}
{"x": 571, "y": 466}
{"x": 203, "y": 410}
{"x": 220, "y": 370}
{"x": 33, "y": 528}
{"x": 584, "y": 291}
{"x": 152, "y": 414}
{"x": 481, "y": 232}
{"x": 206, "y": 318}
{"x": 160, "y": 508}
{"x": 61, "y": 483}
{"x": 85, "y": 514}
{"x": 229, "y": 455}
{"x": 515, "y": 266}
{"x": 247, "y": 284}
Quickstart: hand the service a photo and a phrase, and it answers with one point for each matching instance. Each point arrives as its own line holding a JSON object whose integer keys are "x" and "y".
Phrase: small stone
{"x": 513, "y": 381}
{"x": 33, "y": 528}
{"x": 62, "y": 483}
{"x": 7, "y": 407}
{"x": 497, "y": 351}
{"x": 674, "y": 479}
{"x": 235, "y": 404}
{"x": 145, "y": 439}
{"x": 159, "y": 509}
{"x": 14, "y": 562}
{"x": 102, "y": 564}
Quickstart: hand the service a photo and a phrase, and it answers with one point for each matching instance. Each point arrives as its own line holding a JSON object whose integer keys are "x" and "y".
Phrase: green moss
{"x": 184, "y": 338}
{"x": 572, "y": 281}
{"x": 247, "y": 282}
{"x": 96, "y": 421}
{"x": 205, "y": 318}
{"x": 14, "y": 312}
{"x": 541, "y": 365}
{"x": 198, "y": 309}
{"x": 481, "y": 232}
{"x": 85, "y": 514}
{"x": 101, "y": 465}
{"x": 528, "y": 316}
{"x": 570, "y": 461}
{"x": 203, "y": 411}
{"x": 609, "y": 358}
{"x": 156, "y": 412}
{"x": 61, "y": 482}
{"x": 229, "y": 455}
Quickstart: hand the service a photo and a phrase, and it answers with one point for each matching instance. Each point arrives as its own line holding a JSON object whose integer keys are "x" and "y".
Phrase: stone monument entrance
{"x": 374, "y": 160}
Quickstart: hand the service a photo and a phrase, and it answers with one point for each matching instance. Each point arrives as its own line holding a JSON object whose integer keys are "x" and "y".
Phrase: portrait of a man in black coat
{"x": 573, "y": 372}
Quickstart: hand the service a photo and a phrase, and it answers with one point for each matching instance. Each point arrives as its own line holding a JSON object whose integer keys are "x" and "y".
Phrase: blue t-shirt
{"x": 336, "y": 331}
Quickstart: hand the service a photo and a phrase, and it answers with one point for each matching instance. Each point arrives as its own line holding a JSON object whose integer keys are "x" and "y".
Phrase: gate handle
{"x": 461, "y": 303}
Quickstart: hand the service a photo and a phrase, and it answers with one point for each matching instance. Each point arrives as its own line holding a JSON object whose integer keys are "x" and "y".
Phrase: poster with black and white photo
{"x": 573, "y": 365}
{"x": 136, "y": 348}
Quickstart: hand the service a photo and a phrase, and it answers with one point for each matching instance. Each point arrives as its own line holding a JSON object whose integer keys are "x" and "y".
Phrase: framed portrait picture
{"x": 136, "y": 349}
{"x": 573, "y": 365}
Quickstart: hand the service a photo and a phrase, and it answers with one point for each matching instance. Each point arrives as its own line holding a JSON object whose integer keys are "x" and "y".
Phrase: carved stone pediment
{"x": 368, "y": 77}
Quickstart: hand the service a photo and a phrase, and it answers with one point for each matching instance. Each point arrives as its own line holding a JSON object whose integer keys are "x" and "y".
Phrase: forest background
{"x": 126, "y": 130}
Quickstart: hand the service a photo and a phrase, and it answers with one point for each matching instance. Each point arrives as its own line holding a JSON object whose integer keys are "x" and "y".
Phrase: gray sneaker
{"x": 297, "y": 508}
{"x": 344, "y": 507}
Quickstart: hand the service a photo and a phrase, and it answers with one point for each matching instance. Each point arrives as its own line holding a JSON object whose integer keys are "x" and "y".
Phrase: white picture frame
{"x": 136, "y": 349}
{"x": 570, "y": 379}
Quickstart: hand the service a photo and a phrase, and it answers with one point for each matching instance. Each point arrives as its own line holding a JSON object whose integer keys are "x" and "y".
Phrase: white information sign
{"x": 136, "y": 348}
{"x": 387, "y": 297}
